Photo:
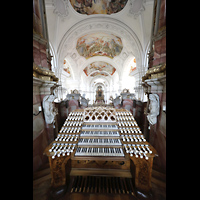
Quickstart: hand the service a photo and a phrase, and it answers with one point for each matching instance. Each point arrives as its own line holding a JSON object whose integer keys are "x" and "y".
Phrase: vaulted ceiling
{"x": 99, "y": 42}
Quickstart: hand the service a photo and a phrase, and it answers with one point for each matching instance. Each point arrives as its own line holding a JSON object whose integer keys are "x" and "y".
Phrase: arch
{"x": 126, "y": 64}
{"x": 97, "y": 77}
{"x": 99, "y": 71}
{"x": 105, "y": 83}
{"x": 67, "y": 49}
{"x": 125, "y": 74}
{"x": 99, "y": 24}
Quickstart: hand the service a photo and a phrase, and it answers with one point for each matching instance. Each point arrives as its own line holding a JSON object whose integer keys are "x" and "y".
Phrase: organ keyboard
{"x": 99, "y": 151}
{"x": 99, "y": 133}
{"x": 100, "y": 126}
{"x": 97, "y": 140}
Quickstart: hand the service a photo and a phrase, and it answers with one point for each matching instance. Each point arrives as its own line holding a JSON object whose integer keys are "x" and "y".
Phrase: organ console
{"x": 101, "y": 141}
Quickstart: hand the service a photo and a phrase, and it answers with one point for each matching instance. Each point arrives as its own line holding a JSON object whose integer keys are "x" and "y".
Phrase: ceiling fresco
{"x": 66, "y": 69}
{"x": 99, "y": 73}
{"x": 101, "y": 66}
{"x": 99, "y": 44}
{"x": 90, "y": 7}
{"x": 133, "y": 67}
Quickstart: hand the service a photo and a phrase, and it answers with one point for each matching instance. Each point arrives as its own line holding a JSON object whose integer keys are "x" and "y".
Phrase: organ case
{"x": 100, "y": 141}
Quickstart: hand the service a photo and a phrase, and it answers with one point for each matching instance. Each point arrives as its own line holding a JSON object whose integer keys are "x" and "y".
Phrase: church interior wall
{"x": 43, "y": 133}
{"x": 155, "y": 83}
{"x": 39, "y": 132}
{"x": 43, "y": 80}
{"x": 158, "y": 134}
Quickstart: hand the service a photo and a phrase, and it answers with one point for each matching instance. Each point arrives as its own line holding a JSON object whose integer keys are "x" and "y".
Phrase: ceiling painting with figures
{"x": 99, "y": 44}
{"x": 99, "y": 68}
{"x": 90, "y": 7}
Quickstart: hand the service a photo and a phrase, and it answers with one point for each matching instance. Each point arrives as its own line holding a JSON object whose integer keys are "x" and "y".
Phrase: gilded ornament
{"x": 43, "y": 73}
{"x": 155, "y": 72}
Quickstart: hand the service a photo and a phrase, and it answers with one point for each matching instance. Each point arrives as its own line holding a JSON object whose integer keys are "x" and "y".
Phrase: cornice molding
{"x": 39, "y": 38}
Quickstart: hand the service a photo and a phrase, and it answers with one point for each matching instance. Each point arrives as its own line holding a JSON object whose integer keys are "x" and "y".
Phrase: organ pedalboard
{"x": 100, "y": 133}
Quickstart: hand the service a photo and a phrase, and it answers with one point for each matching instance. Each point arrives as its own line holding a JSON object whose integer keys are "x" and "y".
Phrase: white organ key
{"x": 72, "y": 138}
{"x": 86, "y": 151}
{"x": 76, "y": 138}
{"x": 110, "y": 153}
{"x": 114, "y": 153}
{"x": 60, "y": 139}
{"x": 59, "y": 154}
{"x": 53, "y": 146}
{"x": 141, "y": 156}
{"x": 54, "y": 155}
{"x": 55, "y": 150}
{"x": 65, "y": 137}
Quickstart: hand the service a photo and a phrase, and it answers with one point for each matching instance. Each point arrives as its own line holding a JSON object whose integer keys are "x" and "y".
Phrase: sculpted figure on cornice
{"x": 50, "y": 111}
{"x": 154, "y": 108}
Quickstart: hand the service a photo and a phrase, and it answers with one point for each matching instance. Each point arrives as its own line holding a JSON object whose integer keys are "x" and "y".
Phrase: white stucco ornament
{"x": 61, "y": 8}
{"x": 154, "y": 108}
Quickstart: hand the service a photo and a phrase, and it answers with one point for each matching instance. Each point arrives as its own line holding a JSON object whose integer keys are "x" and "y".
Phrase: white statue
{"x": 49, "y": 110}
{"x": 117, "y": 100}
{"x": 154, "y": 108}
